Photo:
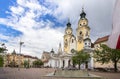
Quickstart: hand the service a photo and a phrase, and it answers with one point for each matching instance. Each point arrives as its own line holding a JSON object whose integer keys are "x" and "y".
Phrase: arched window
{"x": 66, "y": 43}
{"x": 80, "y": 32}
{"x": 69, "y": 63}
{"x": 63, "y": 63}
{"x": 72, "y": 40}
{"x": 65, "y": 40}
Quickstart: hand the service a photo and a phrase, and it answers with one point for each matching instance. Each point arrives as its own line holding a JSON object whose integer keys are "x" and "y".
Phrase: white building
{"x": 62, "y": 59}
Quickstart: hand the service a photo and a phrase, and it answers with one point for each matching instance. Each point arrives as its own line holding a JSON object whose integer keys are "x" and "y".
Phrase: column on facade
{"x": 91, "y": 61}
{"x": 57, "y": 63}
{"x": 61, "y": 63}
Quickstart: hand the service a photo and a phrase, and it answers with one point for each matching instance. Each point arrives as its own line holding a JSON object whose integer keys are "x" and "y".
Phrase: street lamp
{"x": 21, "y": 43}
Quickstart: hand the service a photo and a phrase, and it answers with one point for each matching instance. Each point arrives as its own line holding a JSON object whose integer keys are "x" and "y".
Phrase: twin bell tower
{"x": 81, "y": 40}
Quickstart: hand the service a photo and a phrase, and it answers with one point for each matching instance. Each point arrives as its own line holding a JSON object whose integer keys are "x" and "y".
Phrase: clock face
{"x": 72, "y": 50}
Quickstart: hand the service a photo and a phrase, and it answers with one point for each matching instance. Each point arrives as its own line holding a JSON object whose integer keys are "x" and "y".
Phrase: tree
{"x": 2, "y": 50}
{"x": 26, "y": 64}
{"x": 105, "y": 54}
{"x": 1, "y": 61}
{"x": 80, "y": 57}
{"x": 37, "y": 63}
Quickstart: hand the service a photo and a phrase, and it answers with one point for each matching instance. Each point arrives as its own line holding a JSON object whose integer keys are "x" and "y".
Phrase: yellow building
{"x": 14, "y": 60}
{"x": 82, "y": 32}
{"x": 17, "y": 60}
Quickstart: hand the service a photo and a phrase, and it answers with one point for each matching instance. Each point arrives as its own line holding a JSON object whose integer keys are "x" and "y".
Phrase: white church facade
{"x": 80, "y": 41}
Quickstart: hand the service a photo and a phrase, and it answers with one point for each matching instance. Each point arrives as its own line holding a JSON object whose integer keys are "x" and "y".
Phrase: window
{"x": 72, "y": 40}
{"x": 65, "y": 40}
{"x": 89, "y": 43}
{"x": 87, "y": 33}
{"x": 65, "y": 43}
{"x": 80, "y": 32}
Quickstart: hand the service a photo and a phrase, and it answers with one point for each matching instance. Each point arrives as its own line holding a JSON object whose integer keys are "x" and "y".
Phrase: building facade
{"x": 18, "y": 60}
{"x": 80, "y": 41}
{"x": 77, "y": 42}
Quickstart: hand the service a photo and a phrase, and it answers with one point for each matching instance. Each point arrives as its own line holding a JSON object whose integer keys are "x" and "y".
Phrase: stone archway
{"x": 69, "y": 63}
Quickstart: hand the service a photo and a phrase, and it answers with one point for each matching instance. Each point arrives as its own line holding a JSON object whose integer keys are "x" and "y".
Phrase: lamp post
{"x": 21, "y": 43}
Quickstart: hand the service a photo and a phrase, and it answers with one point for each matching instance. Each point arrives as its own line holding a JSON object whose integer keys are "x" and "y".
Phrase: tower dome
{"x": 83, "y": 20}
{"x": 68, "y": 30}
{"x": 83, "y": 14}
{"x": 68, "y": 24}
{"x": 52, "y": 51}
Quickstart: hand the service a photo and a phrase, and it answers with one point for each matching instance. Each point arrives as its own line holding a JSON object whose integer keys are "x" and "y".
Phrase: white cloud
{"x": 39, "y": 35}
{"x": 99, "y": 14}
{"x": 17, "y": 10}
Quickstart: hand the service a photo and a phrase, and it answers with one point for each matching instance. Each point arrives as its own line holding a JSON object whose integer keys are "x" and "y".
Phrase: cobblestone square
{"x": 39, "y": 73}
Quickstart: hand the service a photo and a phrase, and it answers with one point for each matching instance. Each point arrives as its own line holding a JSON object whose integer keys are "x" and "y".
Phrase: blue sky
{"x": 6, "y": 30}
{"x": 41, "y": 23}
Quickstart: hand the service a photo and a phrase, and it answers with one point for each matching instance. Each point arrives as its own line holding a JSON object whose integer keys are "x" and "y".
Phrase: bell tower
{"x": 67, "y": 36}
{"x": 82, "y": 31}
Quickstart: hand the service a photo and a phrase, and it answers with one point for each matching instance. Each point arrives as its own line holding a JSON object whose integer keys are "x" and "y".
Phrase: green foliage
{"x": 1, "y": 61}
{"x": 2, "y": 48}
{"x": 37, "y": 63}
{"x": 105, "y": 54}
{"x": 80, "y": 58}
{"x": 26, "y": 64}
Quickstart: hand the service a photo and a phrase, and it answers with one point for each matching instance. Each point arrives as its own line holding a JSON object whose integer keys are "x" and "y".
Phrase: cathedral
{"x": 80, "y": 41}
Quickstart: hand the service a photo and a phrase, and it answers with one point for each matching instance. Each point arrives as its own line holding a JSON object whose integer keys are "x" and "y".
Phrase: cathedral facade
{"x": 80, "y": 41}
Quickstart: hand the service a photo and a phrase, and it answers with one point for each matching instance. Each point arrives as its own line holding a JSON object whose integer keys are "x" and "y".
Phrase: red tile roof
{"x": 102, "y": 39}
{"x": 28, "y": 56}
